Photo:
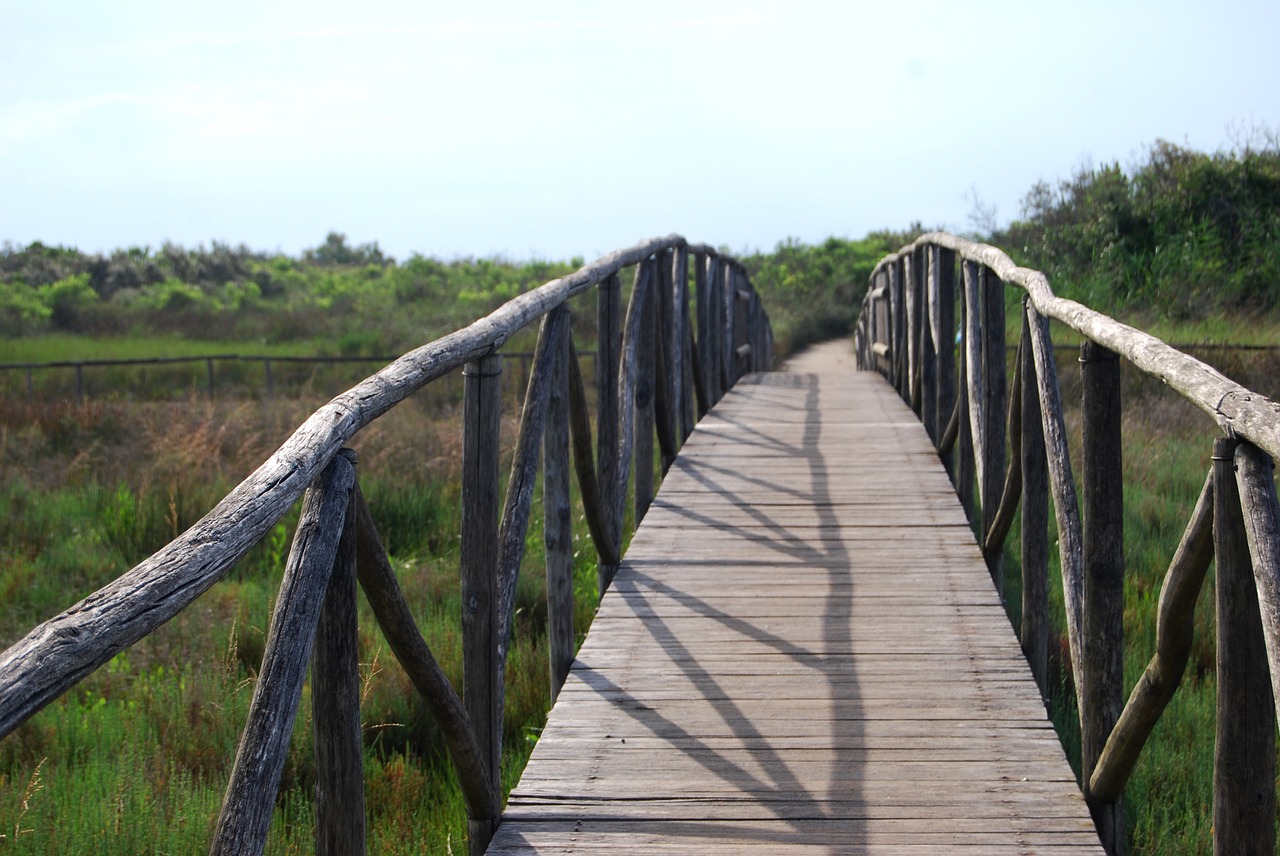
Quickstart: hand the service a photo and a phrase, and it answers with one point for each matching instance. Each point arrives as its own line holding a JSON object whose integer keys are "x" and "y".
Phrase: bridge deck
{"x": 802, "y": 651}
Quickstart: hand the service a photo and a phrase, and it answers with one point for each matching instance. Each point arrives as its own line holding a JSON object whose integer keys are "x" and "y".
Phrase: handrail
{"x": 908, "y": 331}
{"x": 657, "y": 358}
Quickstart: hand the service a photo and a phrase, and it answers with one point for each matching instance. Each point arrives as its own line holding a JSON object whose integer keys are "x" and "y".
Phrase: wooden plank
{"x": 793, "y": 657}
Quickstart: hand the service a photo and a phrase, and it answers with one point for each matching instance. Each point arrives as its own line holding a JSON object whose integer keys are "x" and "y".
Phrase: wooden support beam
{"x": 1244, "y": 767}
{"x": 557, "y": 519}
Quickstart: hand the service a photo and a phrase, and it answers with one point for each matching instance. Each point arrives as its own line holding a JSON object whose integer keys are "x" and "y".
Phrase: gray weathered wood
{"x": 679, "y": 339}
{"x": 965, "y": 462}
{"x": 973, "y": 373}
{"x": 1255, "y": 476}
{"x": 1063, "y": 487}
{"x": 378, "y": 580}
{"x": 557, "y": 519}
{"x": 703, "y": 277}
{"x": 250, "y": 797}
{"x": 647, "y": 385}
{"x": 629, "y": 378}
{"x": 524, "y": 473}
{"x": 662, "y": 353}
{"x": 1244, "y": 764}
{"x": 995, "y": 535}
{"x": 944, "y": 340}
{"x": 335, "y": 711}
{"x": 61, "y": 651}
{"x": 594, "y": 507}
{"x": 1034, "y": 632}
{"x": 609, "y": 321}
{"x": 929, "y": 322}
{"x": 994, "y": 394}
{"x": 914, "y": 291}
{"x": 1237, "y": 410}
{"x": 1175, "y": 625}
{"x": 481, "y": 664}
{"x": 1102, "y": 608}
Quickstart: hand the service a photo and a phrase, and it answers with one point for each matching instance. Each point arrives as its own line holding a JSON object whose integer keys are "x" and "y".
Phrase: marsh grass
{"x": 136, "y": 757}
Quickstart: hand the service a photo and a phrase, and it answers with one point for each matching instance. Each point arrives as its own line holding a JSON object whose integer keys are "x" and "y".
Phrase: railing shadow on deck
{"x": 941, "y": 343}
{"x": 763, "y": 773}
{"x": 658, "y": 369}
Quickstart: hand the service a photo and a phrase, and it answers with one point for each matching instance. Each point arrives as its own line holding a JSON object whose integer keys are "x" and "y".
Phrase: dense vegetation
{"x": 1184, "y": 232}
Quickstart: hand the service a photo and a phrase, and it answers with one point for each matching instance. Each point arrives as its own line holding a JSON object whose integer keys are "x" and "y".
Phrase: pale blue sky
{"x": 558, "y": 128}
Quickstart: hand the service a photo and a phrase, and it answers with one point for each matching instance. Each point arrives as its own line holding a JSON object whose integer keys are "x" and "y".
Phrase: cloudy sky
{"x": 565, "y": 128}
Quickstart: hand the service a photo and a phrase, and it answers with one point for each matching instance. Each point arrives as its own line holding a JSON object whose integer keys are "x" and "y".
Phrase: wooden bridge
{"x": 804, "y": 645}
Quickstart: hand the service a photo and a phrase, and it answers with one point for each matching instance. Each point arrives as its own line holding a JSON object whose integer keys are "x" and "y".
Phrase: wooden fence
{"x": 82, "y": 370}
{"x": 659, "y": 367}
{"x": 940, "y": 340}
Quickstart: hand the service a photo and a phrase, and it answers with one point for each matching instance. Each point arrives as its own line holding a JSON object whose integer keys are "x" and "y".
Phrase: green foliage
{"x": 1184, "y": 232}
{"x": 813, "y": 293}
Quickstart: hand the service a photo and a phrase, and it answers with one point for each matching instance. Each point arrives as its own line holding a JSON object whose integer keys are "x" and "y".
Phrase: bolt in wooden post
{"x": 1244, "y": 774}
{"x": 1034, "y": 633}
{"x": 1103, "y": 607}
{"x": 558, "y": 526}
{"x": 481, "y": 671}
{"x": 335, "y": 693}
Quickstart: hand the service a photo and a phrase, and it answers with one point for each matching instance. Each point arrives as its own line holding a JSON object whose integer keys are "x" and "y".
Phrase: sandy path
{"x": 835, "y": 355}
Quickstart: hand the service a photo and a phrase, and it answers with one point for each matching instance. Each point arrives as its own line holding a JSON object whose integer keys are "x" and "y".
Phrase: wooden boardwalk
{"x": 802, "y": 652}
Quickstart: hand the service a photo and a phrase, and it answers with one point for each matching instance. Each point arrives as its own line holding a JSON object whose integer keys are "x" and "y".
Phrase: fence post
{"x": 1103, "y": 550}
{"x": 557, "y": 523}
{"x": 994, "y": 405}
{"x": 607, "y": 368}
{"x": 646, "y": 383}
{"x": 928, "y": 360}
{"x": 1034, "y": 633}
{"x": 482, "y": 412}
{"x": 335, "y": 690}
{"x": 1244, "y": 794}
{"x": 945, "y": 345}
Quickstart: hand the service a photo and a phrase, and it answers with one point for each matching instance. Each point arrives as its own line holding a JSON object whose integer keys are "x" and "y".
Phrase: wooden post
{"x": 557, "y": 523}
{"x": 703, "y": 276}
{"x": 255, "y": 778}
{"x": 335, "y": 709}
{"x": 928, "y": 355}
{"x": 1034, "y": 633}
{"x": 1244, "y": 774}
{"x": 271, "y": 387}
{"x": 994, "y": 404}
{"x": 679, "y": 324}
{"x": 481, "y": 669}
{"x": 1255, "y": 475}
{"x": 900, "y": 328}
{"x": 609, "y": 342}
{"x": 1103, "y": 550}
{"x": 728, "y": 301}
{"x": 666, "y": 415}
{"x": 911, "y": 301}
{"x": 965, "y": 459}
{"x": 646, "y": 381}
{"x": 945, "y": 342}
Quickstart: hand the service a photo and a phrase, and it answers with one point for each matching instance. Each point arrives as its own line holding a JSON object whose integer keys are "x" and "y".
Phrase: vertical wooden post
{"x": 1255, "y": 476}
{"x": 646, "y": 380}
{"x": 1244, "y": 795}
{"x": 557, "y": 523}
{"x": 1103, "y": 606}
{"x": 702, "y": 278}
{"x": 911, "y": 300}
{"x": 481, "y": 671}
{"x": 729, "y": 300}
{"x": 335, "y": 711}
{"x": 965, "y": 461}
{"x": 994, "y": 405}
{"x": 945, "y": 343}
{"x": 928, "y": 355}
{"x": 899, "y": 328}
{"x": 1034, "y": 633}
{"x": 667, "y": 418}
{"x": 609, "y": 342}
{"x": 679, "y": 324}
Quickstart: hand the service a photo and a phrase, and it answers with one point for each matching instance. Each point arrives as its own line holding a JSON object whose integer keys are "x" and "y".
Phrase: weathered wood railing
{"x": 658, "y": 369}
{"x": 908, "y": 331}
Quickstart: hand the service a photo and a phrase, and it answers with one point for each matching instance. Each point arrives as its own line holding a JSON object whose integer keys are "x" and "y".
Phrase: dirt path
{"x": 835, "y": 355}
